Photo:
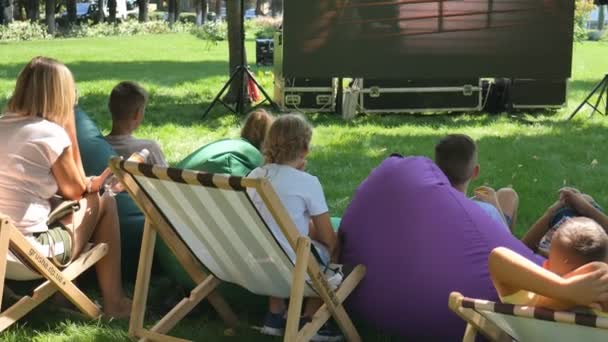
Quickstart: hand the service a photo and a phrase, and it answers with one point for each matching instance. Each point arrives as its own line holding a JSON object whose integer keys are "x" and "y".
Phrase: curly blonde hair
{"x": 45, "y": 88}
{"x": 289, "y": 135}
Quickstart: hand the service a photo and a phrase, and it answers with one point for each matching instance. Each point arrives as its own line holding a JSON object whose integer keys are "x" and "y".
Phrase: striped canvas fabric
{"x": 17, "y": 269}
{"x": 221, "y": 227}
{"x": 528, "y": 323}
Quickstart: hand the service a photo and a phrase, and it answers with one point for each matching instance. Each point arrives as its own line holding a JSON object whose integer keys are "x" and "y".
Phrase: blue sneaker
{"x": 328, "y": 332}
{"x": 274, "y": 324}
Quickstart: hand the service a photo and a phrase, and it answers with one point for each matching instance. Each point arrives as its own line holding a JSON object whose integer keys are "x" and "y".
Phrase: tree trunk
{"x": 143, "y": 10}
{"x": 601, "y": 17}
{"x": 218, "y": 8}
{"x": 259, "y": 7}
{"x": 32, "y": 9}
{"x": 202, "y": 7}
{"x": 112, "y": 11}
{"x": 100, "y": 11}
{"x": 276, "y": 7}
{"x": 19, "y": 9}
{"x": 49, "y": 11}
{"x": 71, "y": 9}
{"x": 171, "y": 12}
{"x": 6, "y": 17}
{"x": 236, "y": 50}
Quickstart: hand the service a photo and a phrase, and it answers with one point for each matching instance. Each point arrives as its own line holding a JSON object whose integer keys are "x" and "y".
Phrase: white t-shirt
{"x": 30, "y": 146}
{"x": 300, "y": 193}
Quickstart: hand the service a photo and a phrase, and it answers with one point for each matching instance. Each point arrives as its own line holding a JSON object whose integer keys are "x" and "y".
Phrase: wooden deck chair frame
{"x": 56, "y": 279}
{"x": 469, "y": 310}
{"x": 207, "y": 283}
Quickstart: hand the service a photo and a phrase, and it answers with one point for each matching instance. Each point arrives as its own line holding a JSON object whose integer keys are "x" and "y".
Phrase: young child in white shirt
{"x": 285, "y": 149}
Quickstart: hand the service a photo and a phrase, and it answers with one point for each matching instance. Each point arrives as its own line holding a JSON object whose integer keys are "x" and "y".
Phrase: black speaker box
{"x": 309, "y": 94}
{"x": 264, "y": 51}
{"x": 420, "y": 95}
{"x": 525, "y": 93}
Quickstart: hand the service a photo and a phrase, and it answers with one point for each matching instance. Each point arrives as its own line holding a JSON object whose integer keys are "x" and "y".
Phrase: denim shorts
{"x": 322, "y": 252}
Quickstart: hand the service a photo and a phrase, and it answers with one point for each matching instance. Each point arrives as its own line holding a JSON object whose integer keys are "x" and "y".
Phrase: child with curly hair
{"x": 285, "y": 149}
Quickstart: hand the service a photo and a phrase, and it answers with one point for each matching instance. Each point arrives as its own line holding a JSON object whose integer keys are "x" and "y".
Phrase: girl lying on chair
{"x": 40, "y": 158}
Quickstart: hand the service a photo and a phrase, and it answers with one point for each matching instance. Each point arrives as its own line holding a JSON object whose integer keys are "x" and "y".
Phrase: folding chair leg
{"x": 47, "y": 289}
{"x": 470, "y": 334}
{"x": 476, "y": 323}
{"x": 223, "y": 309}
{"x": 186, "y": 305}
{"x": 4, "y": 242}
{"x": 142, "y": 281}
{"x": 297, "y": 289}
{"x": 184, "y": 257}
{"x": 323, "y": 314}
{"x": 53, "y": 274}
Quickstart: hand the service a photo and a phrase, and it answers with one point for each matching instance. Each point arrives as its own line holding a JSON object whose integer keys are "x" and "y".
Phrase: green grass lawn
{"x": 536, "y": 153}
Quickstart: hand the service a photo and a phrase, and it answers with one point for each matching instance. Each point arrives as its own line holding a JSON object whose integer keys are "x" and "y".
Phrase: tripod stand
{"x": 602, "y": 87}
{"x": 240, "y": 75}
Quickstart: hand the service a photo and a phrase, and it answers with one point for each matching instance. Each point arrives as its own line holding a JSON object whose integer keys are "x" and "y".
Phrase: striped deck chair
{"x": 22, "y": 261}
{"x": 211, "y": 225}
{"x": 507, "y": 322}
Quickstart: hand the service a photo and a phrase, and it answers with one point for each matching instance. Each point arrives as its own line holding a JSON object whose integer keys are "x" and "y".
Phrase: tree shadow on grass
{"x": 584, "y": 86}
{"x": 162, "y": 110}
{"x": 161, "y": 73}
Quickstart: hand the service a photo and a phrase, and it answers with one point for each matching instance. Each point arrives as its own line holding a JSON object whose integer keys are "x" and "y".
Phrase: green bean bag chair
{"x": 236, "y": 157}
{"x": 95, "y": 153}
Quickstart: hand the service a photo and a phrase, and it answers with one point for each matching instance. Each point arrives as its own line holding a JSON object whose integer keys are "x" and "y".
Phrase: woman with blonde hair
{"x": 41, "y": 159}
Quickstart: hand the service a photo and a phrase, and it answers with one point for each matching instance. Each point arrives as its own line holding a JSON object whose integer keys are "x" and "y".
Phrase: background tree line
{"x": 31, "y": 10}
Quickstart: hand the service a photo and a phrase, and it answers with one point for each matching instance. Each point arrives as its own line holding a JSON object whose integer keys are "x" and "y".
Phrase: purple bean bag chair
{"x": 420, "y": 239}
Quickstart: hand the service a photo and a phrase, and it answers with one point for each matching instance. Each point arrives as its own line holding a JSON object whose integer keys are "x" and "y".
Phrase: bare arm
{"x": 71, "y": 182}
{"x": 323, "y": 232}
{"x": 538, "y": 230}
{"x": 511, "y": 272}
{"x": 578, "y": 201}
{"x": 70, "y": 128}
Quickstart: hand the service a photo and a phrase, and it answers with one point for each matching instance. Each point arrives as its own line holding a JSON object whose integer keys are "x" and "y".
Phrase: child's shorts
{"x": 322, "y": 252}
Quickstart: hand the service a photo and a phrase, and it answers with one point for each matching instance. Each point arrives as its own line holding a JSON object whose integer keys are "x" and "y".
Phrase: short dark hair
{"x": 455, "y": 155}
{"x": 126, "y": 99}
{"x": 584, "y": 238}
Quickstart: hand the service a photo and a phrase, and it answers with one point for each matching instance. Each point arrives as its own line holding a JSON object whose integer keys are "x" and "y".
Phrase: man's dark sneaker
{"x": 328, "y": 332}
{"x": 274, "y": 324}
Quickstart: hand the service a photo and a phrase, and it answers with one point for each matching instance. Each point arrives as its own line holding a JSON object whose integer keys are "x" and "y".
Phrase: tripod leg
{"x": 243, "y": 92}
{"x": 606, "y": 99}
{"x": 221, "y": 93}
{"x": 605, "y": 95}
{"x": 586, "y": 100}
{"x": 599, "y": 97}
{"x": 272, "y": 103}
